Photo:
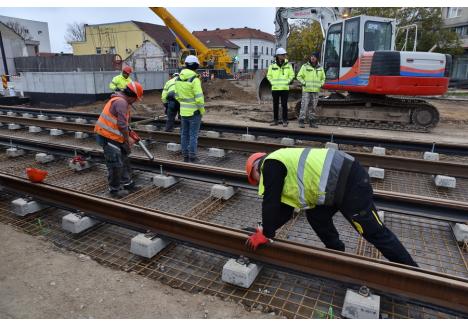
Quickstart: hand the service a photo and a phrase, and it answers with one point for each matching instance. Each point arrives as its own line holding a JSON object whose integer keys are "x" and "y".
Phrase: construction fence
{"x": 66, "y": 63}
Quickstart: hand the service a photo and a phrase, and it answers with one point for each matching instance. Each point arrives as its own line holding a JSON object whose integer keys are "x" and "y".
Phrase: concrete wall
{"x": 14, "y": 47}
{"x": 38, "y": 31}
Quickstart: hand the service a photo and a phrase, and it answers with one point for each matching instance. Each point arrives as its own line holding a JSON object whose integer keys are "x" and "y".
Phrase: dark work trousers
{"x": 172, "y": 109}
{"x": 358, "y": 208}
{"x": 117, "y": 163}
{"x": 277, "y": 95}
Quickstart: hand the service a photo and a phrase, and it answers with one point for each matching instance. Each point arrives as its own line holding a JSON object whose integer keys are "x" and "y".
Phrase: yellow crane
{"x": 218, "y": 59}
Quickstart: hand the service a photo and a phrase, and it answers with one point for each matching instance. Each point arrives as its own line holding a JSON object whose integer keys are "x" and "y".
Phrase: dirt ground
{"x": 39, "y": 280}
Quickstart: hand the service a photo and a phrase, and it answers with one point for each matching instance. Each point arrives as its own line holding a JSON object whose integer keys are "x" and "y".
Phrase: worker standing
{"x": 189, "y": 93}
{"x": 312, "y": 77}
{"x": 320, "y": 181}
{"x": 121, "y": 81}
{"x": 112, "y": 129}
{"x": 170, "y": 103}
{"x": 280, "y": 75}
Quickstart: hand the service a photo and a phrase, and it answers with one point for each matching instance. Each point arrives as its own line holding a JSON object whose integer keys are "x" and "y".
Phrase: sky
{"x": 192, "y": 18}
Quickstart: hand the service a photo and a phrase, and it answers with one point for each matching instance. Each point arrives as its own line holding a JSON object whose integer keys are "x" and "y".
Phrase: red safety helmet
{"x": 249, "y": 166}
{"x": 36, "y": 175}
{"x": 136, "y": 88}
{"x": 127, "y": 70}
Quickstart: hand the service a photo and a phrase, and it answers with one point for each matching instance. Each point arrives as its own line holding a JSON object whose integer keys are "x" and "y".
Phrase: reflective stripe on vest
{"x": 307, "y": 175}
{"x": 107, "y": 126}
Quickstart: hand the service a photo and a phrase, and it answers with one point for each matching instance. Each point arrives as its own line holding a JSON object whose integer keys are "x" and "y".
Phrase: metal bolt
{"x": 364, "y": 291}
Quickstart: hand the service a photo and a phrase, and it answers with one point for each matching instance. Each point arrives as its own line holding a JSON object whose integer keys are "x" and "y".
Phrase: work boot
{"x": 195, "y": 160}
{"x": 186, "y": 159}
{"x": 301, "y": 124}
{"x": 312, "y": 124}
{"x": 285, "y": 123}
{"x": 118, "y": 193}
{"x": 274, "y": 123}
{"x": 129, "y": 185}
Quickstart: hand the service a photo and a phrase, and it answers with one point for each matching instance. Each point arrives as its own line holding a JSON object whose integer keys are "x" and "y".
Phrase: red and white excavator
{"x": 360, "y": 59}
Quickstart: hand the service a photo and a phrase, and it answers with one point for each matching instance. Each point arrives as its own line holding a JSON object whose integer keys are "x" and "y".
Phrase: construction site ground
{"x": 40, "y": 280}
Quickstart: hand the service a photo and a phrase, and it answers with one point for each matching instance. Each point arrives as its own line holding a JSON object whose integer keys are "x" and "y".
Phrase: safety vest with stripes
{"x": 280, "y": 77}
{"x": 312, "y": 79}
{"x": 312, "y": 175}
{"x": 189, "y": 94}
{"x": 106, "y": 125}
{"x": 168, "y": 90}
{"x": 119, "y": 82}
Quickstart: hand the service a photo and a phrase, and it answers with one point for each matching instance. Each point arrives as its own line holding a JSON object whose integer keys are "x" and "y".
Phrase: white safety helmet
{"x": 280, "y": 51}
{"x": 191, "y": 59}
{"x": 175, "y": 74}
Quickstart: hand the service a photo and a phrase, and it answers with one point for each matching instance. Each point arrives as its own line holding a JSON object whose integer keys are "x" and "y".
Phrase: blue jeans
{"x": 189, "y": 134}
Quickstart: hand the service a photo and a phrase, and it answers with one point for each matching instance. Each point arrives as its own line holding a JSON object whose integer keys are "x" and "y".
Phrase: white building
{"x": 33, "y": 30}
{"x": 256, "y": 48}
{"x": 456, "y": 18}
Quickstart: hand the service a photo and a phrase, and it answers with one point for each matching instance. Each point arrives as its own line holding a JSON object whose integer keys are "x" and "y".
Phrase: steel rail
{"x": 453, "y": 169}
{"x": 426, "y": 286}
{"x": 310, "y": 135}
{"x": 435, "y": 208}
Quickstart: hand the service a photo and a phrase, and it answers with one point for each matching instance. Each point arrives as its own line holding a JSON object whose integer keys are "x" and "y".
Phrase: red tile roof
{"x": 160, "y": 33}
{"x": 240, "y": 33}
{"x": 211, "y": 40}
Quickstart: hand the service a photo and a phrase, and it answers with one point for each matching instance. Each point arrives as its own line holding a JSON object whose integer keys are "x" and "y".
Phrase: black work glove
{"x": 126, "y": 148}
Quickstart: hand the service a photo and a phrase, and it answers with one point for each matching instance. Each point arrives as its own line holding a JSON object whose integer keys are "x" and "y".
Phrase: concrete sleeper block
{"x": 34, "y": 129}
{"x": 222, "y": 191}
{"x": 11, "y": 114}
{"x": 14, "y": 152}
{"x": 14, "y": 126}
{"x": 150, "y": 127}
{"x": 42, "y": 117}
{"x": 23, "y": 207}
{"x": 331, "y": 145}
{"x": 76, "y": 223}
{"x": 431, "y": 156}
{"x": 81, "y": 121}
{"x": 444, "y": 181}
{"x": 173, "y": 147}
{"x": 27, "y": 115}
{"x": 44, "y": 158}
{"x": 213, "y": 134}
{"x": 461, "y": 232}
{"x": 378, "y": 150}
{"x": 80, "y": 135}
{"x": 61, "y": 119}
{"x": 164, "y": 181}
{"x": 357, "y": 306}
{"x": 79, "y": 166}
{"x": 287, "y": 141}
{"x": 239, "y": 274}
{"x": 248, "y": 137}
{"x": 56, "y": 132}
{"x": 147, "y": 246}
{"x": 376, "y": 173}
{"x": 216, "y": 152}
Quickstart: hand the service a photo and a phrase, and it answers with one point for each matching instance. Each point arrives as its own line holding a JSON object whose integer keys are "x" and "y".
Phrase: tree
{"x": 304, "y": 39}
{"x": 19, "y": 29}
{"x": 431, "y": 32}
{"x": 76, "y": 32}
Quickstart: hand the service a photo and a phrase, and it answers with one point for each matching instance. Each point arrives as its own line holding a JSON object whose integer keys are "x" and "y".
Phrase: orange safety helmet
{"x": 249, "y": 166}
{"x": 127, "y": 70}
{"x": 136, "y": 88}
{"x": 36, "y": 175}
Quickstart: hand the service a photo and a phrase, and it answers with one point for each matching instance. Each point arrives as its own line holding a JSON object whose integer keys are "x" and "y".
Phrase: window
{"x": 261, "y": 67}
{"x": 453, "y": 12}
{"x": 377, "y": 36}
{"x": 350, "y": 42}
{"x": 174, "y": 47}
{"x": 39, "y": 32}
{"x": 112, "y": 50}
{"x": 267, "y": 50}
{"x": 462, "y": 31}
{"x": 255, "y": 50}
{"x": 246, "y": 64}
{"x": 98, "y": 50}
{"x": 262, "y": 50}
{"x": 271, "y": 51}
{"x": 246, "y": 49}
{"x": 255, "y": 64}
{"x": 332, "y": 51}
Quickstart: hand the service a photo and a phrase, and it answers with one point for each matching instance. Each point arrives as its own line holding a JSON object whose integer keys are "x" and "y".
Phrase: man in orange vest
{"x": 112, "y": 129}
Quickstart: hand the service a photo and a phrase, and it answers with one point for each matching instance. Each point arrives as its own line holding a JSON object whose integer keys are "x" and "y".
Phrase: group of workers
{"x": 319, "y": 181}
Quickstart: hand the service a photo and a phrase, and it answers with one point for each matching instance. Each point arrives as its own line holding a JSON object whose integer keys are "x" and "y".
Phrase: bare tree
{"x": 75, "y": 32}
{"x": 19, "y": 29}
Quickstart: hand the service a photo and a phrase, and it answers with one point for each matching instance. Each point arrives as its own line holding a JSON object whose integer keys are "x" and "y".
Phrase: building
{"x": 13, "y": 46}
{"x": 32, "y": 31}
{"x": 142, "y": 45}
{"x": 456, "y": 18}
{"x": 255, "y": 48}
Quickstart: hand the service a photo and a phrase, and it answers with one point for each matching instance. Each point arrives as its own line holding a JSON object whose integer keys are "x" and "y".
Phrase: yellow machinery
{"x": 217, "y": 59}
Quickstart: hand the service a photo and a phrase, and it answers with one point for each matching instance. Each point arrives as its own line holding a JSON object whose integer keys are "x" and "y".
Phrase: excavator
{"x": 217, "y": 59}
{"x": 371, "y": 83}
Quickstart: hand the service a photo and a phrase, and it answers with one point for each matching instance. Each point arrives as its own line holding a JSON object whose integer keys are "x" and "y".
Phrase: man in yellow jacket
{"x": 280, "y": 75}
{"x": 321, "y": 182}
{"x": 170, "y": 103}
{"x": 189, "y": 94}
{"x": 121, "y": 81}
{"x": 312, "y": 78}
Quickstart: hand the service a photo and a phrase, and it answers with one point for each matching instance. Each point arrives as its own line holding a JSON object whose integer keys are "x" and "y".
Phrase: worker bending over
{"x": 170, "y": 103}
{"x": 312, "y": 78}
{"x": 189, "y": 93}
{"x": 121, "y": 81}
{"x": 112, "y": 129}
{"x": 280, "y": 75}
{"x": 322, "y": 182}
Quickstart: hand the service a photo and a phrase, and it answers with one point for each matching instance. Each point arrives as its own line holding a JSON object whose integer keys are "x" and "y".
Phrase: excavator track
{"x": 385, "y": 112}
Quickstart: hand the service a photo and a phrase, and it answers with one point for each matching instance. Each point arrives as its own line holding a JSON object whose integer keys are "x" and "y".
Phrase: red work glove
{"x": 256, "y": 239}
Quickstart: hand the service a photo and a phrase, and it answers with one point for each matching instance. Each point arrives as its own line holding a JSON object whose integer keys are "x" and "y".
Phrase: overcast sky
{"x": 192, "y": 18}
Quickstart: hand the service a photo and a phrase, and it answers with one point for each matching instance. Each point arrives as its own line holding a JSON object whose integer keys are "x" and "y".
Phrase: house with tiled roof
{"x": 255, "y": 47}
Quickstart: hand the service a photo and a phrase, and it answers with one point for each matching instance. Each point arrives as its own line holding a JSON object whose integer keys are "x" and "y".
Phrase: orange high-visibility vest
{"x": 106, "y": 126}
